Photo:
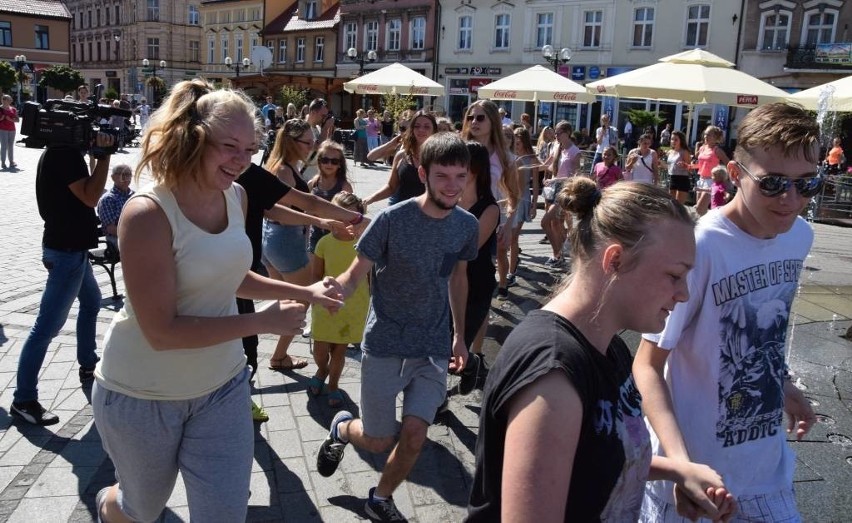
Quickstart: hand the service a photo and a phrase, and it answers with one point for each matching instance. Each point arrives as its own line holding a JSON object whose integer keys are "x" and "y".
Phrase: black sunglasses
{"x": 772, "y": 185}
{"x": 332, "y": 161}
{"x": 477, "y": 117}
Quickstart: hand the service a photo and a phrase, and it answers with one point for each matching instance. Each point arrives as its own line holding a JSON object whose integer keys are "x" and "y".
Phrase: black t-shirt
{"x": 480, "y": 272}
{"x": 264, "y": 189}
{"x": 613, "y": 454}
{"x": 69, "y": 224}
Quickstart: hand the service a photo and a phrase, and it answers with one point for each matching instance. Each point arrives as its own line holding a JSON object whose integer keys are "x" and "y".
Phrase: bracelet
{"x": 356, "y": 221}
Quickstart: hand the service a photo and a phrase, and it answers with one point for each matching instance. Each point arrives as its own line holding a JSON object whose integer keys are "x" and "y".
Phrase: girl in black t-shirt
{"x": 561, "y": 432}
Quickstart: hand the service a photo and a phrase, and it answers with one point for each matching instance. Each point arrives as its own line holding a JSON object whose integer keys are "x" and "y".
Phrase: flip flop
{"x": 335, "y": 398}
{"x": 295, "y": 363}
{"x": 315, "y": 386}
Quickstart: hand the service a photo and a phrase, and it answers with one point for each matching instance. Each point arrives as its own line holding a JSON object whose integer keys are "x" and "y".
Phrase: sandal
{"x": 295, "y": 363}
{"x": 315, "y": 385}
{"x": 335, "y": 398}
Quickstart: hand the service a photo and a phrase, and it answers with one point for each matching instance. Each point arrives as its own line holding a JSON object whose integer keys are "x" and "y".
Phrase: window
{"x": 6, "y": 34}
{"x": 282, "y": 51}
{"x": 819, "y": 28}
{"x": 238, "y": 46}
{"x": 465, "y": 33}
{"x": 79, "y": 19}
{"x": 372, "y": 35}
{"x": 240, "y": 15}
{"x": 255, "y": 38}
{"x": 592, "y": 26}
{"x": 154, "y": 48}
{"x": 90, "y": 51}
{"x": 393, "y": 34}
{"x": 211, "y": 49}
{"x": 89, "y": 12}
{"x": 643, "y": 26}
{"x": 544, "y": 29}
{"x": 98, "y": 47}
{"x": 300, "y": 50}
{"x": 502, "y": 25}
{"x": 97, "y": 17}
{"x": 310, "y": 9}
{"x": 117, "y": 17}
{"x": 775, "y": 32}
{"x": 192, "y": 17}
{"x": 418, "y": 33}
{"x": 153, "y": 10}
{"x": 350, "y": 36}
{"x": 319, "y": 49}
{"x": 224, "y": 46}
{"x": 194, "y": 51}
{"x": 697, "y": 25}
{"x": 42, "y": 37}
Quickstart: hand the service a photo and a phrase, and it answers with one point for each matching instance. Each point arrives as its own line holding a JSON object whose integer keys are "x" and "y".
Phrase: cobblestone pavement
{"x": 52, "y": 474}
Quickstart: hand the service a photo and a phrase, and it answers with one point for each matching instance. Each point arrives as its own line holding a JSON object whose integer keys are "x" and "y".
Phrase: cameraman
{"x": 322, "y": 125}
{"x": 66, "y": 196}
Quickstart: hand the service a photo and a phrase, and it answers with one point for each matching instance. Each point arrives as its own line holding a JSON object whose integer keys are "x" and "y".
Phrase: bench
{"x": 107, "y": 257}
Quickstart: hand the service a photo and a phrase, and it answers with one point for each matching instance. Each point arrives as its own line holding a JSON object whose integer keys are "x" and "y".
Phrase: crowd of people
{"x": 413, "y": 285}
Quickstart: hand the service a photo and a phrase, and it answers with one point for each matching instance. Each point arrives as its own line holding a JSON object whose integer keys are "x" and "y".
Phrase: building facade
{"x": 231, "y": 31}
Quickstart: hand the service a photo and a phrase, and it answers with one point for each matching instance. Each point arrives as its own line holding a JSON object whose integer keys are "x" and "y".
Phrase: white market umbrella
{"x": 835, "y": 96}
{"x": 692, "y": 77}
{"x": 394, "y": 79}
{"x": 536, "y": 84}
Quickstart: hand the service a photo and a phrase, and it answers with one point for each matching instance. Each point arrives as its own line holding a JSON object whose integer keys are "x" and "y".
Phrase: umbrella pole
{"x": 690, "y": 108}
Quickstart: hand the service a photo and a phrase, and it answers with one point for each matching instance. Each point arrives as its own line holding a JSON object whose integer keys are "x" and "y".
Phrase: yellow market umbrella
{"x": 836, "y": 96}
{"x": 536, "y": 84}
{"x": 394, "y": 79}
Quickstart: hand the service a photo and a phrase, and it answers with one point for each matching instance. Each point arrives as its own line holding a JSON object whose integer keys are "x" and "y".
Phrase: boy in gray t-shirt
{"x": 419, "y": 249}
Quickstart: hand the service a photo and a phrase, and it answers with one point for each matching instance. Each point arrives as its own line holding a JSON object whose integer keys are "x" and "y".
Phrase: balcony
{"x": 836, "y": 56}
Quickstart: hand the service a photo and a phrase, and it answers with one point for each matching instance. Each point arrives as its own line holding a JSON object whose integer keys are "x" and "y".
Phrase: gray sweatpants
{"x": 210, "y": 440}
{"x": 7, "y": 147}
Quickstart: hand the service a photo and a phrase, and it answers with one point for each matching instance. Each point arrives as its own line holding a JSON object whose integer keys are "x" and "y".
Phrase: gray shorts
{"x": 422, "y": 382}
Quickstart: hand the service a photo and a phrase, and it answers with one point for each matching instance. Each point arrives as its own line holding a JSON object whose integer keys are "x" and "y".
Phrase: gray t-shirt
{"x": 414, "y": 256}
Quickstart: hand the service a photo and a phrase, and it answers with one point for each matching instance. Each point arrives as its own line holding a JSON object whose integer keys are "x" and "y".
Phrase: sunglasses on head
{"x": 772, "y": 185}
{"x": 477, "y": 117}
{"x": 327, "y": 160}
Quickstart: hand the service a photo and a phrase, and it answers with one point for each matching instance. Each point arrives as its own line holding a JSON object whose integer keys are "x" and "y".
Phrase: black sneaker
{"x": 470, "y": 374}
{"x": 502, "y": 293}
{"x": 382, "y": 510}
{"x": 32, "y": 412}
{"x": 87, "y": 374}
{"x": 543, "y": 241}
{"x": 510, "y": 279}
{"x": 331, "y": 451}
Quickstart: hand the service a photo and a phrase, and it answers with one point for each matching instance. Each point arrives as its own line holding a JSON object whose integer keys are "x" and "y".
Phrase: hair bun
{"x": 579, "y": 196}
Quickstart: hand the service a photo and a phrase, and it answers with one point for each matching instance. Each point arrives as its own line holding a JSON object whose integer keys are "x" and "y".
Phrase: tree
{"x": 397, "y": 103}
{"x": 293, "y": 95}
{"x": 62, "y": 78}
{"x": 642, "y": 119}
{"x": 8, "y": 78}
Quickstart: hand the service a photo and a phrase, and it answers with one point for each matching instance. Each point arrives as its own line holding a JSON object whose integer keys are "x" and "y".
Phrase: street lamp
{"x": 236, "y": 66}
{"x": 563, "y": 57}
{"x": 146, "y": 63}
{"x": 20, "y": 62}
{"x": 352, "y": 53}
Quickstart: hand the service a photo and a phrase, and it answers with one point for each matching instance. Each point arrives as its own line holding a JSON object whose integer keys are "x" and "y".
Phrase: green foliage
{"x": 397, "y": 103}
{"x": 62, "y": 78}
{"x": 8, "y": 79}
{"x": 111, "y": 94}
{"x": 155, "y": 82}
{"x": 642, "y": 119}
{"x": 292, "y": 95}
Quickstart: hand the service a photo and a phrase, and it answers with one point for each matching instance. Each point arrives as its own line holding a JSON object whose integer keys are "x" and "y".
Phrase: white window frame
{"x": 465, "y": 34}
{"x": 211, "y": 49}
{"x": 546, "y": 27}
{"x": 319, "y": 49}
{"x": 192, "y": 16}
{"x": 153, "y": 48}
{"x": 596, "y": 27}
{"x": 502, "y": 31}
{"x": 310, "y": 10}
{"x": 223, "y": 43}
{"x": 300, "y": 50}
{"x": 644, "y": 26}
{"x": 194, "y": 51}
{"x": 282, "y": 51}
{"x": 350, "y": 36}
{"x": 761, "y": 35}
{"x": 417, "y": 33}
{"x": 806, "y": 27}
{"x": 393, "y": 34}
{"x": 238, "y": 47}
{"x": 371, "y": 35}
{"x": 698, "y": 23}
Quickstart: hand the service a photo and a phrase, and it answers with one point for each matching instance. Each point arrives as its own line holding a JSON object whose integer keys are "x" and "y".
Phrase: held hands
{"x": 725, "y": 503}
{"x": 338, "y": 228}
{"x": 800, "y": 415}
{"x": 283, "y": 317}
{"x": 460, "y": 354}
{"x": 700, "y": 492}
{"x": 328, "y": 293}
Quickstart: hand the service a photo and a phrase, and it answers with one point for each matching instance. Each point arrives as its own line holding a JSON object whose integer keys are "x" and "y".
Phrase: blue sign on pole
{"x": 720, "y": 118}
{"x": 594, "y": 72}
{"x": 578, "y": 73}
{"x": 608, "y": 105}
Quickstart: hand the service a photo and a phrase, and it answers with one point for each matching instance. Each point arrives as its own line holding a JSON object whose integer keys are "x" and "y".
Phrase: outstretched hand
{"x": 328, "y": 293}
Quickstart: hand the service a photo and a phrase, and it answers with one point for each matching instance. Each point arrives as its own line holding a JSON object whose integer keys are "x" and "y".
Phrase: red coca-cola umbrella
{"x": 536, "y": 84}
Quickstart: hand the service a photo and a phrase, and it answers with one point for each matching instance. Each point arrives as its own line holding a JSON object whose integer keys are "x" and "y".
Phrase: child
{"x": 332, "y": 334}
{"x": 606, "y": 172}
{"x": 719, "y": 189}
{"x": 329, "y": 181}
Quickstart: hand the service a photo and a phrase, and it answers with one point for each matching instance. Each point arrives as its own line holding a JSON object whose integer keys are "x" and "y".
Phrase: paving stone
{"x": 54, "y": 508}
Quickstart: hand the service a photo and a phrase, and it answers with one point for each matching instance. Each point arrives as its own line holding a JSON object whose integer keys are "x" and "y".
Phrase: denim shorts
{"x": 285, "y": 246}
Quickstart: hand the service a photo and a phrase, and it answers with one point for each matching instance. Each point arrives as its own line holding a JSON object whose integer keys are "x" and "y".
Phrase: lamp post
{"x": 352, "y": 53}
{"x": 146, "y": 63}
{"x": 549, "y": 54}
{"x": 236, "y": 66}
{"x": 20, "y": 62}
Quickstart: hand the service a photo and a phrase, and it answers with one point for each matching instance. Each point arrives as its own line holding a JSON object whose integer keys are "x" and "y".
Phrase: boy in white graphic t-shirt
{"x": 714, "y": 383}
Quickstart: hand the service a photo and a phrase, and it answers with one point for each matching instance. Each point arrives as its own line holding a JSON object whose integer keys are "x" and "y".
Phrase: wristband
{"x": 357, "y": 220}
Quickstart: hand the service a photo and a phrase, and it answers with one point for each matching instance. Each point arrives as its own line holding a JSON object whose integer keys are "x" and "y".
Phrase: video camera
{"x": 68, "y": 122}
